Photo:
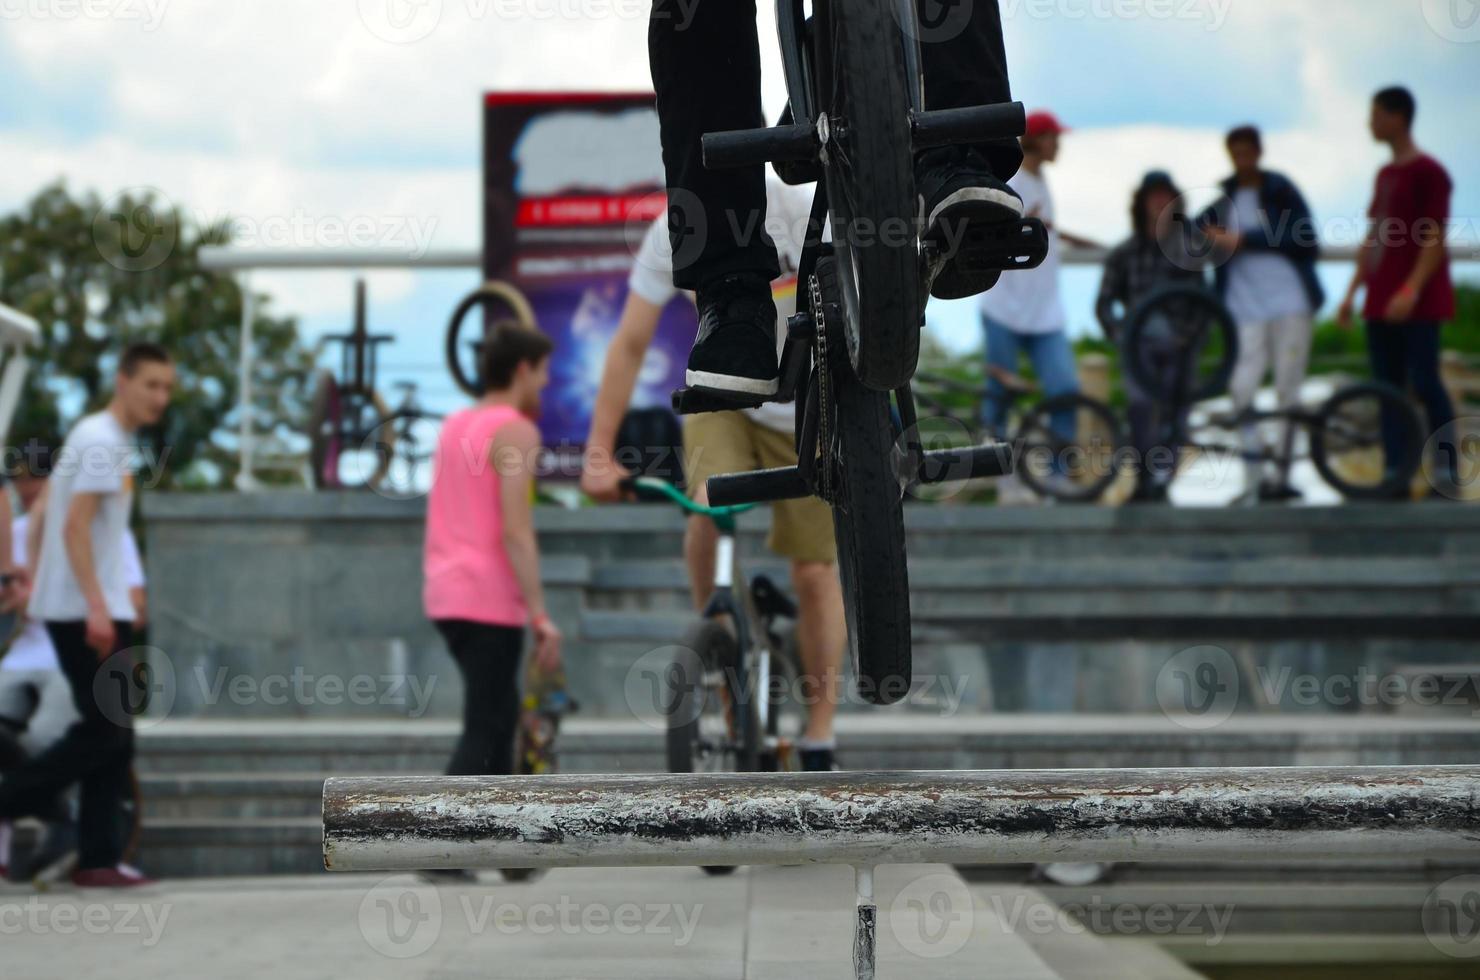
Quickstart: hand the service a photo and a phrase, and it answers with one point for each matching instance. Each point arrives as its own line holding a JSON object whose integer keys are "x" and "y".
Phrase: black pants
{"x": 489, "y": 658}
{"x": 1407, "y": 355}
{"x": 706, "y": 65}
{"x": 97, "y": 752}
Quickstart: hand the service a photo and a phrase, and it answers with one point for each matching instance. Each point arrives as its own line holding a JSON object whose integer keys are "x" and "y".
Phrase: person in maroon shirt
{"x": 1404, "y": 263}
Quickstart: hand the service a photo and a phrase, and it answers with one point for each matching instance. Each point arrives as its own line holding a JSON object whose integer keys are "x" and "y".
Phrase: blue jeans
{"x": 1053, "y": 361}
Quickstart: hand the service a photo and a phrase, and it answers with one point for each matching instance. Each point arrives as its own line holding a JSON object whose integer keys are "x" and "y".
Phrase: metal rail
{"x": 868, "y": 819}
{"x": 379, "y": 824}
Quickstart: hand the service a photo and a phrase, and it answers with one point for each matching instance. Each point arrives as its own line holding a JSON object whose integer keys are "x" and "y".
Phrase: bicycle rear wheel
{"x": 868, "y": 520}
{"x": 1368, "y": 442}
{"x": 870, "y": 179}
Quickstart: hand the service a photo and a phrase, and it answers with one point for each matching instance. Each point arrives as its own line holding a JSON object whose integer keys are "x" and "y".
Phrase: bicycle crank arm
{"x": 786, "y": 483}
{"x": 975, "y": 124}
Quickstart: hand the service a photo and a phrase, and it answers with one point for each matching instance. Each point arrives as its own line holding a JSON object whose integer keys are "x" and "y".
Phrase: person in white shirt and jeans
{"x": 81, "y": 592}
{"x": 35, "y": 700}
{"x": 1024, "y": 315}
{"x": 1268, "y": 242}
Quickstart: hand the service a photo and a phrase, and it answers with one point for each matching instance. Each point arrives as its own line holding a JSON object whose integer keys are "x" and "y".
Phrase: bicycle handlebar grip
{"x": 748, "y": 147}
{"x": 974, "y": 124}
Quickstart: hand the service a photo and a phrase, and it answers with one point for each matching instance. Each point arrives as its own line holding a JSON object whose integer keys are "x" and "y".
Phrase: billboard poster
{"x": 572, "y": 181}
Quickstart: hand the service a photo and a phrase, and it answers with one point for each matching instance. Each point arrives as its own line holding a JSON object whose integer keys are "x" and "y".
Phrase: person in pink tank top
{"x": 481, "y": 561}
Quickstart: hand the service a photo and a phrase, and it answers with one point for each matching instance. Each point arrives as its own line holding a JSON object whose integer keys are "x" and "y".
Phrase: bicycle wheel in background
{"x": 1181, "y": 345}
{"x": 870, "y": 178}
{"x": 701, "y": 708}
{"x": 411, "y": 440}
{"x": 868, "y": 519}
{"x": 1079, "y": 467}
{"x": 500, "y": 301}
{"x": 1368, "y": 442}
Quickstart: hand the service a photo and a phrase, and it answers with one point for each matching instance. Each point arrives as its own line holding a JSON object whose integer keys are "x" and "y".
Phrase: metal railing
{"x": 871, "y": 819}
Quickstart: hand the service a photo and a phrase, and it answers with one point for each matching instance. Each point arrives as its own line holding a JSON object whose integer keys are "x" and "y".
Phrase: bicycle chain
{"x": 824, "y": 407}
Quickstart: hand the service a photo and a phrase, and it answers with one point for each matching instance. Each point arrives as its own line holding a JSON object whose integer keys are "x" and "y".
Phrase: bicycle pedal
{"x": 1004, "y": 246}
{"x": 703, "y": 401}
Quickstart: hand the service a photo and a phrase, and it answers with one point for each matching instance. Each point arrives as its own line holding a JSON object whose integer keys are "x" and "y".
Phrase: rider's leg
{"x": 705, "y": 59}
{"x": 1004, "y": 348}
{"x": 822, "y": 633}
{"x": 713, "y": 444}
{"x": 965, "y": 64}
{"x": 1058, "y": 375}
{"x": 1254, "y": 350}
{"x": 1291, "y": 342}
{"x": 802, "y": 530}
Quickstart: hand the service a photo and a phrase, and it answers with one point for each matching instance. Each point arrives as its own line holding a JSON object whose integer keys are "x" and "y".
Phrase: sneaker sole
{"x": 969, "y": 205}
{"x": 709, "y": 381}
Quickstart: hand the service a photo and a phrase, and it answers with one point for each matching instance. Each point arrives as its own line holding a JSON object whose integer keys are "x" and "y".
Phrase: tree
{"x": 98, "y": 275}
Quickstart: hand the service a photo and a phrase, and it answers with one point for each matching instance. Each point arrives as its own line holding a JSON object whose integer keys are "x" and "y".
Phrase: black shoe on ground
{"x": 1271, "y": 492}
{"x": 958, "y": 192}
{"x": 735, "y": 352}
{"x": 819, "y": 760}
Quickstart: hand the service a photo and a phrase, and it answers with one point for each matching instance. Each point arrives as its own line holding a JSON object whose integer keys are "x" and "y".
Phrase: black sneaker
{"x": 735, "y": 352}
{"x": 958, "y": 191}
{"x": 819, "y": 760}
{"x": 1272, "y": 492}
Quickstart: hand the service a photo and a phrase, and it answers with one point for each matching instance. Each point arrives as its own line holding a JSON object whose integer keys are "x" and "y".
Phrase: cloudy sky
{"x": 298, "y": 116}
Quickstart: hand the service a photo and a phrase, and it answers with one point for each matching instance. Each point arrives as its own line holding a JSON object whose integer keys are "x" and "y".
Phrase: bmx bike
{"x": 357, "y": 440}
{"x": 1072, "y": 468}
{"x": 856, "y": 119}
{"x": 718, "y": 695}
{"x": 1366, "y": 440}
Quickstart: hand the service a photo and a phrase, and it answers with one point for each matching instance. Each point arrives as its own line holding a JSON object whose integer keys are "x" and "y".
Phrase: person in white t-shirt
{"x": 730, "y": 442}
{"x": 81, "y": 592}
{"x": 1265, "y": 231}
{"x": 35, "y": 699}
{"x": 1024, "y": 316}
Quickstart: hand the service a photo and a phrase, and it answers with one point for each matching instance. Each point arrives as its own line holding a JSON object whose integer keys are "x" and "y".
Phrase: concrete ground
{"x": 770, "y": 924}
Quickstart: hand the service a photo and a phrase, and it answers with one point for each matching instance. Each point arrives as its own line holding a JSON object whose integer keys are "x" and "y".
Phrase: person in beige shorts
{"x": 732, "y": 442}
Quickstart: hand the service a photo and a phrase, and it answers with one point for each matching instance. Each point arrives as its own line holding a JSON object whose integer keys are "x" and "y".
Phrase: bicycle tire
{"x": 404, "y": 448}
{"x": 1102, "y": 467}
{"x": 869, "y": 173}
{"x": 1327, "y": 441}
{"x": 503, "y": 292}
{"x": 323, "y": 442}
{"x": 1184, "y": 301}
{"x": 868, "y": 524}
{"x": 713, "y": 647}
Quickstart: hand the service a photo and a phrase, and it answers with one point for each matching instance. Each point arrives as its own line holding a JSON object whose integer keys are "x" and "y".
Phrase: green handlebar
{"x": 666, "y": 489}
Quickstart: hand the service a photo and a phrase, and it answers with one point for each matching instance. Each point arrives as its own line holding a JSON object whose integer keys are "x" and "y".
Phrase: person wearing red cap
{"x": 1024, "y": 315}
